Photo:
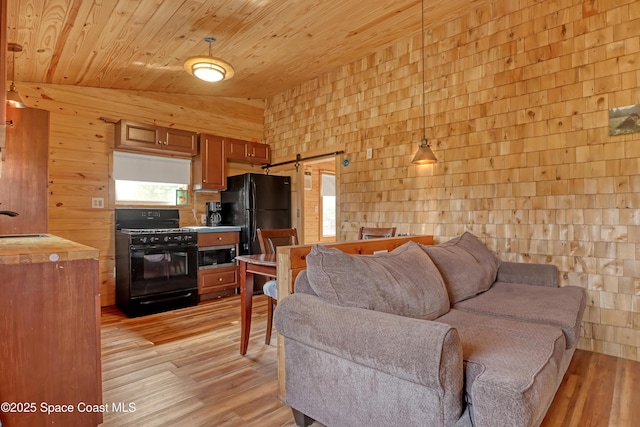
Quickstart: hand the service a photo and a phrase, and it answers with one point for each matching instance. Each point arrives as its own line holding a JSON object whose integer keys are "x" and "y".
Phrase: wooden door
{"x": 50, "y": 346}
{"x": 139, "y": 135}
{"x": 259, "y": 153}
{"x": 180, "y": 141}
{"x": 24, "y": 180}
{"x": 236, "y": 149}
{"x": 210, "y": 165}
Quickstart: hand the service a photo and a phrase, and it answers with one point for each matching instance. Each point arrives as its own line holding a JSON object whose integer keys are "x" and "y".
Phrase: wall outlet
{"x": 369, "y": 153}
{"x": 203, "y": 219}
{"x": 97, "y": 202}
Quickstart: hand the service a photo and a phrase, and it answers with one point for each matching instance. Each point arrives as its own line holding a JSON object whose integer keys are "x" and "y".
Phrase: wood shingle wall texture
{"x": 517, "y": 97}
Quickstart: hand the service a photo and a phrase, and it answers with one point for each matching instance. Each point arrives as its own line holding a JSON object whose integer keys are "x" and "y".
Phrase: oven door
{"x": 163, "y": 268}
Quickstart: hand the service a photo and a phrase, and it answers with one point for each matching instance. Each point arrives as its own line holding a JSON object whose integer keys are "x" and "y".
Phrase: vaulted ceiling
{"x": 142, "y": 44}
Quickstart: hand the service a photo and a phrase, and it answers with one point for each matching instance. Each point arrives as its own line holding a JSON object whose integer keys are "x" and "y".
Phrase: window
{"x": 328, "y": 200}
{"x": 149, "y": 179}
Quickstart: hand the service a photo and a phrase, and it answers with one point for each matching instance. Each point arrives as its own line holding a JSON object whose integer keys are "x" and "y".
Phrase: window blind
{"x": 328, "y": 185}
{"x": 145, "y": 168}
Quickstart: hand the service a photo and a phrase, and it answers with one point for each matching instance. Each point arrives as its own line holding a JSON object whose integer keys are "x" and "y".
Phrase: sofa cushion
{"x": 466, "y": 265}
{"x": 403, "y": 282}
{"x": 512, "y": 368}
{"x": 559, "y": 307}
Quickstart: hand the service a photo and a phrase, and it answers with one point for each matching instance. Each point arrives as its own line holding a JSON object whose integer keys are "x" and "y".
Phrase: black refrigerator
{"x": 254, "y": 201}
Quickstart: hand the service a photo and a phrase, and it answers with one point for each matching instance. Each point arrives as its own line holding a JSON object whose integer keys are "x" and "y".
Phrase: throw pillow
{"x": 467, "y": 266}
{"x": 403, "y": 282}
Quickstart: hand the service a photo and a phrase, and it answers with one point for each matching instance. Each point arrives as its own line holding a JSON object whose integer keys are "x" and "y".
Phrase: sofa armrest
{"x": 421, "y": 351}
{"x": 526, "y": 273}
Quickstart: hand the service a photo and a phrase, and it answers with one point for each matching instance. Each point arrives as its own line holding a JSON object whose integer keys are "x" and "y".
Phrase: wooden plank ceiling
{"x": 142, "y": 44}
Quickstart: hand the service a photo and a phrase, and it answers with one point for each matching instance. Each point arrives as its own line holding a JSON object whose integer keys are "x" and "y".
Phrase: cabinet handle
{"x": 159, "y": 142}
{"x": 204, "y": 180}
{"x": 219, "y": 238}
{"x": 220, "y": 279}
{"x": 166, "y": 143}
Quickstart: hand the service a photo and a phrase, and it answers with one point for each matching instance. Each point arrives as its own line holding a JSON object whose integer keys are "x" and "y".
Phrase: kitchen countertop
{"x": 41, "y": 248}
{"x": 218, "y": 229}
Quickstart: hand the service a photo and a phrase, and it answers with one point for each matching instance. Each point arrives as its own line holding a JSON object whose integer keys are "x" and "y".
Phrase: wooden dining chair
{"x": 376, "y": 232}
{"x": 269, "y": 240}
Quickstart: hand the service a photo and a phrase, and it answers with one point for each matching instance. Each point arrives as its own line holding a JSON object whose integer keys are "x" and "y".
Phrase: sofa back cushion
{"x": 403, "y": 282}
{"x": 466, "y": 265}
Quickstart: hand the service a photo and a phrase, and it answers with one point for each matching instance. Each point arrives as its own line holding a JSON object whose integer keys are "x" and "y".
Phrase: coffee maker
{"x": 214, "y": 217}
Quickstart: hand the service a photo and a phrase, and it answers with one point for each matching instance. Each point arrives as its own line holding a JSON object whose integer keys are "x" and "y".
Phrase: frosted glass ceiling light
{"x": 208, "y": 68}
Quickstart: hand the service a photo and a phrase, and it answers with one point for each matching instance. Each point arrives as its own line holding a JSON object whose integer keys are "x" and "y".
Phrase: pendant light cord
{"x": 13, "y": 68}
{"x": 424, "y": 107}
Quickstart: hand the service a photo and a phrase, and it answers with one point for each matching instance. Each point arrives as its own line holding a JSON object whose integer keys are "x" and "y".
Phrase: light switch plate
{"x": 97, "y": 202}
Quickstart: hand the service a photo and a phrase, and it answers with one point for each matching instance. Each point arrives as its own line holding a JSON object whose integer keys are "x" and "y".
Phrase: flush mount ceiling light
{"x": 424, "y": 155}
{"x": 208, "y": 68}
{"x": 13, "y": 97}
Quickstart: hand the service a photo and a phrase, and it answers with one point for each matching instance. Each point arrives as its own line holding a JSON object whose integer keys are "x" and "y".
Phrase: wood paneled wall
{"x": 81, "y": 144}
{"x": 517, "y": 111}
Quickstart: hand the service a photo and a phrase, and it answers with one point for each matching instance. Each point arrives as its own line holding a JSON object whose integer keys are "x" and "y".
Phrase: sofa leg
{"x": 301, "y": 419}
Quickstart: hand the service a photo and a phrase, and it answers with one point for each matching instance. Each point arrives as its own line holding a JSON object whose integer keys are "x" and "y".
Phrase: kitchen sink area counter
{"x": 41, "y": 248}
{"x": 50, "y": 329}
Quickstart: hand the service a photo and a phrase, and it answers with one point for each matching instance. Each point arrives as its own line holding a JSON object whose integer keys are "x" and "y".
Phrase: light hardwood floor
{"x": 184, "y": 368}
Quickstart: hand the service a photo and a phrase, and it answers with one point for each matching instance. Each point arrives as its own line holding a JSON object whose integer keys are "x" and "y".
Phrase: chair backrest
{"x": 270, "y": 239}
{"x": 376, "y": 232}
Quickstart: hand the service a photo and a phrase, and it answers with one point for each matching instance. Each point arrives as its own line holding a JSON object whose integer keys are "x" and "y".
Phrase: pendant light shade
{"x": 13, "y": 97}
{"x": 424, "y": 155}
{"x": 208, "y": 68}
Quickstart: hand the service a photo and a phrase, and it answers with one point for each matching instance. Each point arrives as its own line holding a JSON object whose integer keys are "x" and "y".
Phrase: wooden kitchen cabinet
{"x": 213, "y": 281}
{"x": 210, "y": 164}
{"x": 25, "y": 172}
{"x": 50, "y": 331}
{"x": 158, "y": 139}
{"x": 217, "y": 279}
{"x": 248, "y": 151}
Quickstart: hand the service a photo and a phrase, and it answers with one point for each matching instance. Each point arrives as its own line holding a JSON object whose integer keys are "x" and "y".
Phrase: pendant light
{"x": 13, "y": 97}
{"x": 424, "y": 155}
{"x": 208, "y": 68}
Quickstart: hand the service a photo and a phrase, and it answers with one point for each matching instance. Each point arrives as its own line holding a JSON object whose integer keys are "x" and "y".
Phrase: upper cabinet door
{"x": 181, "y": 141}
{"x": 150, "y": 138}
{"x": 210, "y": 165}
{"x": 236, "y": 149}
{"x": 132, "y": 134}
{"x": 248, "y": 151}
{"x": 260, "y": 153}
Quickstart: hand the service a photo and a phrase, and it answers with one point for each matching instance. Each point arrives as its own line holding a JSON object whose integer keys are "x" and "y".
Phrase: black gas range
{"x": 141, "y": 236}
{"x": 156, "y": 262}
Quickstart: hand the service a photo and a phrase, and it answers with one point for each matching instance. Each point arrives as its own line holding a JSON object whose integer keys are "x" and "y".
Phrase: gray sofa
{"x": 441, "y": 335}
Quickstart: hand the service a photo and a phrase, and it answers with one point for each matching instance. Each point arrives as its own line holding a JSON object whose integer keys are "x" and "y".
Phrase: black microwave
{"x": 216, "y": 256}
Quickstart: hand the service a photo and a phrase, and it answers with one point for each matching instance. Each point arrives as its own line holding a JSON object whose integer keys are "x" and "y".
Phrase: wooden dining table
{"x": 264, "y": 265}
